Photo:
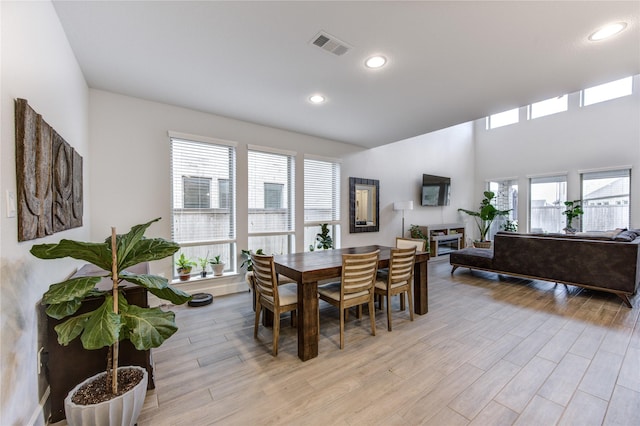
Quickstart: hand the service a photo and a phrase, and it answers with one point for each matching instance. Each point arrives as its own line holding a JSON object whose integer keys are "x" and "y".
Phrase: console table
{"x": 445, "y": 238}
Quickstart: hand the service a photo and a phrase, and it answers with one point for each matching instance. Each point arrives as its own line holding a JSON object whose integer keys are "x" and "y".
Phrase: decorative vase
{"x": 217, "y": 269}
{"x": 121, "y": 410}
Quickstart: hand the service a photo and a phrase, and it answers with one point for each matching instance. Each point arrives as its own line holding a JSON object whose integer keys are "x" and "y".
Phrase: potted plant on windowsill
{"x": 204, "y": 262}
{"x": 323, "y": 239}
{"x": 184, "y": 265}
{"x": 102, "y": 399}
{"x": 217, "y": 265}
{"x": 484, "y": 217}
{"x": 573, "y": 211}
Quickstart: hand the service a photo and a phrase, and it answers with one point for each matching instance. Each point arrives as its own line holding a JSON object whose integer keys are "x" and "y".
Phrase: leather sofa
{"x": 608, "y": 263}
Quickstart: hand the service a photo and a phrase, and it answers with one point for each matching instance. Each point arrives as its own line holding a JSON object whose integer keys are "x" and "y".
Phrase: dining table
{"x": 309, "y": 268}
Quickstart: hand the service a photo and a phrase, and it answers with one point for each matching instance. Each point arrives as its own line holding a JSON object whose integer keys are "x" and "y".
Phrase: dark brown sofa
{"x": 601, "y": 263}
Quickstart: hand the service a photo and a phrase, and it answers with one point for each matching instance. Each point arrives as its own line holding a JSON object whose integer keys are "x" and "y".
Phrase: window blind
{"x": 203, "y": 191}
{"x": 270, "y": 192}
{"x": 321, "y": 192}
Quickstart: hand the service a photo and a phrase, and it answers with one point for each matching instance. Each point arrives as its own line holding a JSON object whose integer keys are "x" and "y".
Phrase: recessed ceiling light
{"x": 316, "y": 99}
{"x": 375, "y": 61}
{"x": 608, "y": 31}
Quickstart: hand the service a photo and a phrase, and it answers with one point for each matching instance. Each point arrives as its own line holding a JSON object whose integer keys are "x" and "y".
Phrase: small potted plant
{"x": 203, "y": 261}
{"x": 217, "y": 265}
{"x": 573, "y": 211}
{"x": 116, "y": 395}
{"x": 484, "y": 217}
{"x": 184, "y": 265}
{"x": 323, "y": 239}
{"x": 510, "y": 226}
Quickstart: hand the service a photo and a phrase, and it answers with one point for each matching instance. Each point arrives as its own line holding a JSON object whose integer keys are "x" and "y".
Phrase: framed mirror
{"x": 364, "y": 205}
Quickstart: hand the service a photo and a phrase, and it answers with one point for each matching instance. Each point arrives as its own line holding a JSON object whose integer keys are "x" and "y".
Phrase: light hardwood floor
{"x": 489, "y": 352}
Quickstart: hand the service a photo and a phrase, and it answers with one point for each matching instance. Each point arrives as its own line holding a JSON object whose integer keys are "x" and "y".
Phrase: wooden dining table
{"x": 308, "y": 268}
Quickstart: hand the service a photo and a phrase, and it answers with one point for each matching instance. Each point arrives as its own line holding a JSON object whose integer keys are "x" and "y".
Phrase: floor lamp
{"x": 403, "y": 205}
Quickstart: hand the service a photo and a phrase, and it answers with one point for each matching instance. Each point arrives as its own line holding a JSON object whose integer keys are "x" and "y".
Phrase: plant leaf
{"x": 102, "y": 327}
{"x": 71, "y": 328}
{"x": 64, "y": 309}
{"x": 65, "y": 291}
{"x": 146, "y": 250}
{"x": 96, "y": 253}
{"x": 158, "y": 286}
{"x": 149, "y": 327}
{"x": 126, "y": 242}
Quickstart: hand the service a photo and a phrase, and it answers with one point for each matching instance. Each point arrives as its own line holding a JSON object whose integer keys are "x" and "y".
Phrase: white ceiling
{"x": 449, "y": 62}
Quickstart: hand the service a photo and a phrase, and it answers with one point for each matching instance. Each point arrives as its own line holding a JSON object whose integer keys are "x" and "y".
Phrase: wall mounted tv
{"x": 435, "y": 190}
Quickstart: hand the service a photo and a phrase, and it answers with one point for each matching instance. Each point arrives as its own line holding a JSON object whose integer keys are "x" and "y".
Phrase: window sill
{"x": 209, "y": 277}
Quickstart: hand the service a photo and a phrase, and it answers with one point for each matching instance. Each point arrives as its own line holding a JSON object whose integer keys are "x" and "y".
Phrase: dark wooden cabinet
{"x": 69, "y": 365}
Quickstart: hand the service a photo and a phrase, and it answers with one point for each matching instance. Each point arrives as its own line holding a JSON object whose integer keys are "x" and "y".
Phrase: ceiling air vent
{"x": 330, "y": 44}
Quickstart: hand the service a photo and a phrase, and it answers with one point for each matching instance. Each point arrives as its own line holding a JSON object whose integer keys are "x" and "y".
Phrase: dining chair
{"x": 269, "y": 295}
{"x": 419, "y": 243}
{"x": 398, "y": 281}
{"x": 355, "y": 287}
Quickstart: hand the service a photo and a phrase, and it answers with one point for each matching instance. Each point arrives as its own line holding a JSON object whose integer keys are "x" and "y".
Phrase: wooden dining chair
{"x": 269, "y": 295}
{"x": 419, "y": 243}
{"x": 398, "y": 281}
{"x": 355, "y": 287}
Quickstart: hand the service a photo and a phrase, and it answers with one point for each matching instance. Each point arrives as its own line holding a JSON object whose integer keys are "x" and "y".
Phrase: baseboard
{"x": 38, "y": 416}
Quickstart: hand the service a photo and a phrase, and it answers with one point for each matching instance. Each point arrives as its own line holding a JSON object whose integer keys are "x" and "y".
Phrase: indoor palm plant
{"x": 115, "y": 320}
{"x": 485, "y": 216}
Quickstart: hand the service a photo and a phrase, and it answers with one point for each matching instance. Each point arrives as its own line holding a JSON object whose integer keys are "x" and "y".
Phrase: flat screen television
{"x": 435, "y": 190}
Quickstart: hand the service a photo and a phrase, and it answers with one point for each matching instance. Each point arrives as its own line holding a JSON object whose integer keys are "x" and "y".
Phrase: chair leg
{"x": 294, "y": 319}
{"x": 410, "y": 297}
{"x": 401, "y": 301}
{"x": 255, "y": 326}
{"x": 359, "y": 312}
{"x": 342, "y": 316}
{"x": 372, "y": 315}
{"x": 389, "y": 312}
{"x": 276, "y": 332}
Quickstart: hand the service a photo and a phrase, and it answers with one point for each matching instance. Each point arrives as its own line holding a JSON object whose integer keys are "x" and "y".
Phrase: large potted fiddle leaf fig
{"x": 484, "y": 217}
{"x": 114, "y": 321}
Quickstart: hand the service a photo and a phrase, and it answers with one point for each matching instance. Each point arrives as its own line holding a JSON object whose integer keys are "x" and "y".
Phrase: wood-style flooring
{"x": 490, "y": 351}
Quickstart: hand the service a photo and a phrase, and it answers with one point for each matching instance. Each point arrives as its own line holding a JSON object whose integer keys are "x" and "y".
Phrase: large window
{"x": 321, "y": 200}
{"x": 506, "y": 198}
{"x": 605, "y": 200}
{"x": 604, "y": 92}
{"x": 546, "y": 203}
{"x": 271, "y": 201}
{"x": 203, "y": 176}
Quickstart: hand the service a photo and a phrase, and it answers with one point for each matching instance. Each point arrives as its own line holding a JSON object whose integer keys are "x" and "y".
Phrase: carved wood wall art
{"x": 49, "y": 177}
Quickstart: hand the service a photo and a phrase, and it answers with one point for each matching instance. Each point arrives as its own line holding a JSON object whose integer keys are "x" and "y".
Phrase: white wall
{"x": 399, "y": 168}
{"x": 38, "y": 65}
{"x": 130, "y": 171}
{"x": 603, "y": 135}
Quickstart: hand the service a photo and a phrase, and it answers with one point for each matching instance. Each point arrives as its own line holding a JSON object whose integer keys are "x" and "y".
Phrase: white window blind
{"x": 546, "y": 203}
{"x": 321, "y": 199}
{"x": 606, "y": 200}
{"x": 271, "y": 201}
{"x": 203, "y": 192}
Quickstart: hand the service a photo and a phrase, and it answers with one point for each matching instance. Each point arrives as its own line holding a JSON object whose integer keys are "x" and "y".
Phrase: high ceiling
{"x": 448, "y": 62}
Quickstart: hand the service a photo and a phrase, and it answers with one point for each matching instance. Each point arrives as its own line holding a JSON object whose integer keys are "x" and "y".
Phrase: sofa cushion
{"x": 626, "y": 236}
{"x": 472, "y": 257}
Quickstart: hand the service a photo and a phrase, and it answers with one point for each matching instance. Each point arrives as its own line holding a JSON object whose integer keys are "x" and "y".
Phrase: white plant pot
{"x": 121, "y": 411}
{"x": 217, "y": 269}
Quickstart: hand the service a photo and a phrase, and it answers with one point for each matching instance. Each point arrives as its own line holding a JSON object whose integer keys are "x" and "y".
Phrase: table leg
{"x": 308, "y": 327}
{"x": 420, "y": 290}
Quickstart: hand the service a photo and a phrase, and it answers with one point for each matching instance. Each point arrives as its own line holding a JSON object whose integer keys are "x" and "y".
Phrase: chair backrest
{"x": 401, "y": 263}
{"x": 264, "y": 275}
{"x": 418, "y": 243}
{"x": 359, "y": 272}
